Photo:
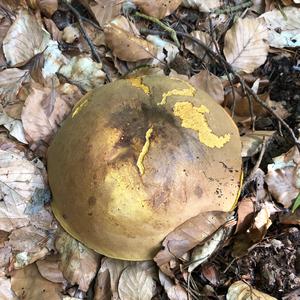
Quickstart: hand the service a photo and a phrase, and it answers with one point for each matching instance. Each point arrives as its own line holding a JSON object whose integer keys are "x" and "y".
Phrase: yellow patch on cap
{"x": 138, "y": 83}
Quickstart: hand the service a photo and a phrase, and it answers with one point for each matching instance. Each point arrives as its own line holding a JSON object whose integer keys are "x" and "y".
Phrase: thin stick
{"x": 84, "y": 33}
{"x": 170, "y": 30}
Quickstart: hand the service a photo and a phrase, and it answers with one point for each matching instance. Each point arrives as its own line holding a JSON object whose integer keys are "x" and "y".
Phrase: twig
{"x": 170, "y": 30}
{"x": 232, "y": 9}
{"x": 81, "y": 27}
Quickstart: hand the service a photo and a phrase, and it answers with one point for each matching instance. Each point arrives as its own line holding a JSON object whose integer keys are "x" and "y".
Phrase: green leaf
{"x": 296, "y": 203}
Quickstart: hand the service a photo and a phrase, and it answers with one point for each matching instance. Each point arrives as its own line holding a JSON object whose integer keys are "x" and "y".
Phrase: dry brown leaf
{"x": 5, "y": 23}
{"x": 202, "y": 5}
{"x": 174, "y": 291}
{"x": 49, "y": 269}
{"x": 137, "y": 281}
{"x": 19, "y": 179}
{"x": 252, "y": 141}
{"x": 122, "y": 37}
{"x": 6, "y": 292}
{"x": 45, "y": 109}
{"x": 11, "y": 81}
{"x": 290, "y": 218}
{"x": 245, "y": 46}
{"x": 79, "y": 264}
{"x": 84, "y": 72}
{"x": 24, "y": 39}
{"x": 106, "y": 286}
{"x": 283, "y": 178}
{"x": 189, "y": 234}
{"x": 209, "y": 83}
{"x": 48, "y": 7}
{"x": 243, "y": 291}
{"x": 283, "y": 27}
{"x": 28, "y": 284}
{"x": 106, "y": 10}
{"x": 245, "y": 213}
{"x": 157, "y": 8}
{"x": 196, "y": 49}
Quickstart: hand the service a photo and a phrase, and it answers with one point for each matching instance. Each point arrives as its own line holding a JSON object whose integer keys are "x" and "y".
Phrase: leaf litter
{"x": 48, "y": 64}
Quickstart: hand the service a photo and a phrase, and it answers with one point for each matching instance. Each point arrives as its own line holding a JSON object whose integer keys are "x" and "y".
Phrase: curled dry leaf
{"x": 24, "y": 39}
{"x": 202, "y": 5}
{"x": 174, "y": 291}
{"x": 283, "y": 178}
{"x": 28, "y": 284}
{"x": 70, "y": 34}
{"x": 106, "y": 10}
{"x": 6, "y": 292}
{"x": 11, "y": 81}
{"x": 137, "y": 281}
{"x": 243, "y": 291}
{"x": 83, "y": 72}
{"x": 5, "y": 23}
{"x": 209, "y": 83}
{"x": 189, "y": 234}
{"x": 45, "y": 109}
{"x": 122, "y": 37}
{"x": 283, "y": 27}
{"x": 157, "y": 8}
{"x": 19, "y": 178}
{"x": 48, "y": 7}
{"x": 252, "y": 141}
{"x": 245, "y": 213}
{"x": 79, "y": 264}
{"x": 245, "y": 46}
{"x": 196, "y": 49}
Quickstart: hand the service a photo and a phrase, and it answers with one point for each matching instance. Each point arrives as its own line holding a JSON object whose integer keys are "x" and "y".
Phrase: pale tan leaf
{"x": 24, "y": 39}
{"x": 11, "y": 81}
{"x": 202, "y": 5}
{"x": 157, "y": 8}
{"x": 79, "y": 264}
{"x": 45, "y": 109}
{"x": 209, "y": 83}
{"x": 70, "y": 34}
{"x": 283, "y": 178}
{"x": 6, "y": 292}
{"x": 84, "y": 72}
{"x": 28, "y": 284}
{"x": 189, "y": 234}
{"x": 243, "y": 291}
{"x": 284, "y": 27}
{"x": 23, "y": 259}
{"x": 49, "y": 269}
{"x": 106, "y": 10}
{"x": 174, "y": 291}
{"x": 245, "y": 46}
{"x": 122, "y": 38}
{"x": 137, "y": 282}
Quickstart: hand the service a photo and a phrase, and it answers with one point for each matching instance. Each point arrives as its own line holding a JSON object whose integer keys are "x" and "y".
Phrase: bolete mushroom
{"x": 138, "y": 157}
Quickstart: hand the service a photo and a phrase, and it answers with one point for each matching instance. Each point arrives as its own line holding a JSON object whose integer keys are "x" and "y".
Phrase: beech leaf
{"x": 245, "y": 46}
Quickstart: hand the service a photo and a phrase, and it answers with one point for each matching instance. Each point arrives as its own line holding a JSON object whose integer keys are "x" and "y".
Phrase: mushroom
{"x": 138, "y": 157}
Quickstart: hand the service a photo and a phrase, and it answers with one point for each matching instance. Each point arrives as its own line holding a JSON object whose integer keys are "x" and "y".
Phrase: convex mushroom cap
{"x": 138, "y": 157}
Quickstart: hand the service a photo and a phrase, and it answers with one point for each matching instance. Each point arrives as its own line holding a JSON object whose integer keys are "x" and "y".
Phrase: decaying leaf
{"x": 106, "y": 10}
{"x": 28, "y": 284}
{"x": 189, "y": 234}
{"x": 79, "y": 264}
{"x": 283, "y": 178}
{"x": 157, "y": 8}
{"x": 202, "y": 5}
{"x": 243, "y": 291}
{"x": 24, "y": 39}
{"x": 174, "y": 291}
{"x": 201, "y": 253}
{"x": 6, "y": 292}
{"x": 245, "y": 46}
{"x": 284, "y": 27}
{"x": 84, "y": 72}
{"x": 252, "y": 141}
{"x": 209, "y": 83}
{"x": 290, "y": 218}
{"x": 45, "y": 109}
{"x": 122, "y": 37}
{"x": 137, "y": 281}
{"x": 11, "y": 81}
{"x": 245, "y": 212}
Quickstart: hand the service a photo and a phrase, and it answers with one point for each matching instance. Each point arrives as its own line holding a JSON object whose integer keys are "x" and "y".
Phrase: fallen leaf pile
{"x": 53, "y": 52}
